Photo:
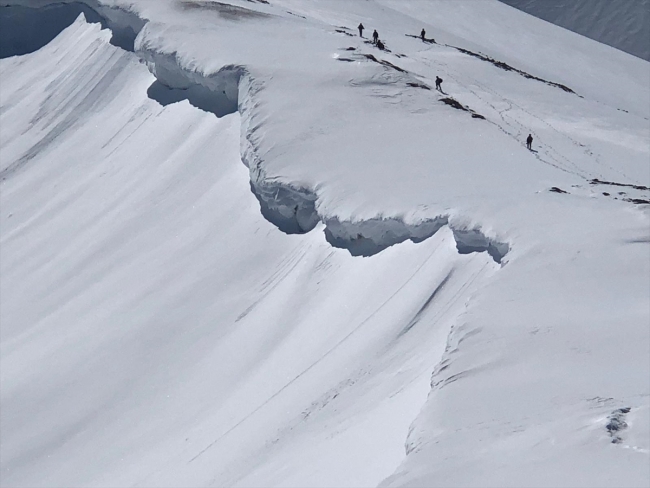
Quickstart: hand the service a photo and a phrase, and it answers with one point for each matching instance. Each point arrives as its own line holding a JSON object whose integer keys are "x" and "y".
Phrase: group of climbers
{"x": 377, "y": 42}
{"x": 375, "y": 37}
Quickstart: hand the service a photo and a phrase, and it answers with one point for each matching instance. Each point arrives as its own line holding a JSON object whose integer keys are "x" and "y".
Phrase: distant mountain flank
{"x": 623, "y": 24}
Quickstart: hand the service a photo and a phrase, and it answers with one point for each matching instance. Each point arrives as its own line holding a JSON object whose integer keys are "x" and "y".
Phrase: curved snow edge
{"x": 368, "y": 237}
{"x": 289, "y": 206}
{"x": 292, "y": 207}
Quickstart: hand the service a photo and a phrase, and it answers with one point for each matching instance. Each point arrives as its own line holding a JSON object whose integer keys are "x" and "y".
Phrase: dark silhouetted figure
{"x": 422, "y": 34}
{"x": 529, "y": 142}
{"x": 375, "y": 37}
{"x": 361, "y": 27}
{"x": 438, "y": 83}
{"x": 380, "y": 44}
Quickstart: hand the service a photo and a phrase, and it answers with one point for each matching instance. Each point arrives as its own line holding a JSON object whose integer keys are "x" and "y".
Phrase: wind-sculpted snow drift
{"x": 293, "y": 209}
{"x": 245, "y": 348}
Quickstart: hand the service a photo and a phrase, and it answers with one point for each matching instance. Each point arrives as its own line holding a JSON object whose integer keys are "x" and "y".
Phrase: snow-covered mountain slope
{"x": 391, "y": 289}
{"x": 623, "y": 24}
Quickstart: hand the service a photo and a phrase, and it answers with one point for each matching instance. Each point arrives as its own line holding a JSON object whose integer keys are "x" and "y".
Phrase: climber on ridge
{"x": 529, "y": 142}
{"x": 438, "y": 83}
{"x": 361, "y": 27}
{"x": 375, "y": 37}
{"x": 422, "y": 34}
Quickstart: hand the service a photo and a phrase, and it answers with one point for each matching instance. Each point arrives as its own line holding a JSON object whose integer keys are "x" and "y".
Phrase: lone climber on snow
{"x": 375, "y": 37}
{"x": 361, "y": 27}
{"x": 422, "y": 34}
{"x": 529, "y": 142}
{"x": 438, "y": 83}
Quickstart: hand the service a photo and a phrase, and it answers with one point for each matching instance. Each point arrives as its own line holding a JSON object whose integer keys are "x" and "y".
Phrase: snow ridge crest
{"x": 290, "y": 206}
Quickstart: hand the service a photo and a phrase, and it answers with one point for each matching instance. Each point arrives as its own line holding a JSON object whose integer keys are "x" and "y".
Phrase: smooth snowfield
{"x": 386, "y": 291}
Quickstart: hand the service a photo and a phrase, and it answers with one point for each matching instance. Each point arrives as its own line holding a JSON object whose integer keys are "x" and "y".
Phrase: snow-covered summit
{"x": 390, "y": 289}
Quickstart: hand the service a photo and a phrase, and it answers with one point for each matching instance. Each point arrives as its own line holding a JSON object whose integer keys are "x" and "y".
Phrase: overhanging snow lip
{"x": 371, "y": 236}
{"x": 291, "y": 207}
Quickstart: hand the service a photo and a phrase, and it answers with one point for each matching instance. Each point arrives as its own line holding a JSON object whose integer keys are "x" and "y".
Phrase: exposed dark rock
{"x": 507, "y": 67}
{"x": 459, "y": 106}
{"x": 596, "y": 181}
{"x": 291, "y": 13}
{"x": 616, "y": 423}
{"x": 388, "y": 64}
{"x": 454, "y": 103}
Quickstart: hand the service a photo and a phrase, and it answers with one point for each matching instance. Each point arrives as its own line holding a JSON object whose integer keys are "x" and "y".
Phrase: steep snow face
{"x": 390, "y": 287}
{"x": 154, "y": 321}
{"x": 622, "y": 24}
